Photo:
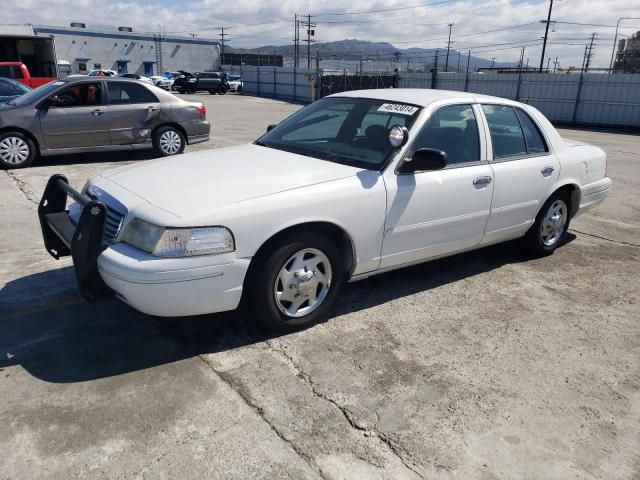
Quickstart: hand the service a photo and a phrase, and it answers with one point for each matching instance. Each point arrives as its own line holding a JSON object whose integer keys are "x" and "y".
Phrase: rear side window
{"x": 532, "y": 135}
{"x": 11, "y": 71}
{"x": 506, "y": 134}
{"x": 122, "y": 93}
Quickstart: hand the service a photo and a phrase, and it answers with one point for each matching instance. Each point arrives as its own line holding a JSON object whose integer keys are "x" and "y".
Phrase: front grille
{"x": 112, "y": 224}
{"x": 115, "y": 215}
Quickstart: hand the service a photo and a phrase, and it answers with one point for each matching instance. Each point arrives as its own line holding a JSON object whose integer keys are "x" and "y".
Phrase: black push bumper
{"x": 83, "y": 241}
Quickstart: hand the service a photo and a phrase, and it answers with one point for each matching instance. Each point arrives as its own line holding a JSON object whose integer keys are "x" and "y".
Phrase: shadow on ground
{"x": 95, "y": 157}
{"x": 58, "y": 338}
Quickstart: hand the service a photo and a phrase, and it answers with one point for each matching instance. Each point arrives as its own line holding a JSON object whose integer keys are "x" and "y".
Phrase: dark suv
{"x": 212, "y": 82}
{"x": 83, "y": 114}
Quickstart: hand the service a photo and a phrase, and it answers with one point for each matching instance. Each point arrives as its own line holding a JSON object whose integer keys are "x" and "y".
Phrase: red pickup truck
{"x": 20, "y": 73}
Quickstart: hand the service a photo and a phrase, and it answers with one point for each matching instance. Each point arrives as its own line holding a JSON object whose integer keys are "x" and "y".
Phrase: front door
{"x": 437, "y": 212}
{"x": 133, "y": 112}
{"x": 524, "y": 169}
{"x": 76, "y": 117}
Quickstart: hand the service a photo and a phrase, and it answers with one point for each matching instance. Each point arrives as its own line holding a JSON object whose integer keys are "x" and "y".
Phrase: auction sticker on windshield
{"x": 398, "y": 108}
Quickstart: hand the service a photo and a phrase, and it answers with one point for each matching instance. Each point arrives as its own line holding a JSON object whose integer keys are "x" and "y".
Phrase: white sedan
{"x": 353, "y": 185}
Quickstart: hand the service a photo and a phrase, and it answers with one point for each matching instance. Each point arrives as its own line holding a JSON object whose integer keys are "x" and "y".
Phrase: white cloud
{"x": 417, "y": 27}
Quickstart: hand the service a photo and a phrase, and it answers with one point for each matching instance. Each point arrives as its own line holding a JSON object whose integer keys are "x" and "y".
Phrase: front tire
{"x": 222, "y": 90}
{"x": 168, "y": 141}
{"x": 17, "y": 150}
{"x": 551, "y": 224}
{"x": 294, "y": 286}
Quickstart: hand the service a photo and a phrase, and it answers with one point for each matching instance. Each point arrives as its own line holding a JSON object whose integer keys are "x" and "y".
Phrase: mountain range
{"x": 352, "y": 51}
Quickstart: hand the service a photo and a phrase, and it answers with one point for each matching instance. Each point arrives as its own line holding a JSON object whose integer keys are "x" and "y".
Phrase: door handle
{"x": 482, "y": 181}
{"x": 97, "y": 112}
{"x": 546, "y": 171}
{"x": 152, "y": 109}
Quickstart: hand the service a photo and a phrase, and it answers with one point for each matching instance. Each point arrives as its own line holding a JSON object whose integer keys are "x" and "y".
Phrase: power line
{"x": 421, "y": 5}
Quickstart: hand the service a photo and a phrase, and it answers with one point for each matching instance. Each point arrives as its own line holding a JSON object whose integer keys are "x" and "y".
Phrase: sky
{"x": 489, "y": 28}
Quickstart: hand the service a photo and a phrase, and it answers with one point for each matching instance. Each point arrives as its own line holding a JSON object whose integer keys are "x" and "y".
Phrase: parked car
{"x": 10, "y": 89}
{"x": 82, "y": 114}
{"x": 235, "y": 83}
{"x": 99, "y": 72}
{"x": 135, "y": 76}
{"x": 162, "y": 82}
{"x": 353, "y": 185}
{"x": 19, "y": 72}
{"x": 212, "y": 82}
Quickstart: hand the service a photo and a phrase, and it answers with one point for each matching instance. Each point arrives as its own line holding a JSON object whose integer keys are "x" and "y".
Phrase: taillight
{"x": 203, "y": 111}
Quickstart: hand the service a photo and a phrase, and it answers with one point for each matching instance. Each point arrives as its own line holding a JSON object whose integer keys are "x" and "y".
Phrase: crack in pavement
{"x": 619, "y": 242}
{"x": 225, "y": 378}
{"x": 23, "y": 187}
{"x": 384, "y": 438}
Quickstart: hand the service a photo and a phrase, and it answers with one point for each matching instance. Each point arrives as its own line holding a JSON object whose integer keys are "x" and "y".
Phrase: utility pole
{"x": 555, "y": 65}
{"x": 590, "y": 54}
{"x": 521, "y": 60}
{"x": 468, "y": 60}
{"x": 493, "y": 61}
{"x": 310, "y": 33}
{"x": 548, "y": 62}
{"x": 584, "y": 58}
{"x": 446, "y": 65}
{"x": 223, "y": 36}
{"x": 546, "y": 35}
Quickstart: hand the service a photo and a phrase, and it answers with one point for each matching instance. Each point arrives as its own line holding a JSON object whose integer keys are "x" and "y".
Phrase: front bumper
{"x": 164, "y": 288}
{"x": 152, "y": 285}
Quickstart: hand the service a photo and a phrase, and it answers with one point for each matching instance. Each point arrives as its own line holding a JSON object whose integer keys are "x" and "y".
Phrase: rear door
{"x": 76, "y": 118}
{"x": 133, "y": 112}
{"x": 524, "y": 171}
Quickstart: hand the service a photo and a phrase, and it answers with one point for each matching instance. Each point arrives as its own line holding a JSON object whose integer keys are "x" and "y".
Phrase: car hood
{"x": 190, "y": 184}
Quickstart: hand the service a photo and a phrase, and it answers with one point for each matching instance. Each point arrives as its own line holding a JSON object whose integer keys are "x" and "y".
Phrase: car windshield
{"x": 38, "y": 93}
{"x": 351, "y": 131}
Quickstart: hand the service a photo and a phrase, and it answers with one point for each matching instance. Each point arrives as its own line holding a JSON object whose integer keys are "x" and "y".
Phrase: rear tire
{"x": 17, "y": 150}
{"x": 552, "y": 223}
{"x": 168, "y": 141}
{"x": 294, "y": 284}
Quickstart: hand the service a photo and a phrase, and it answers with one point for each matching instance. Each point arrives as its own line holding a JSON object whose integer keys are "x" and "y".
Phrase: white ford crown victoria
{"x": 350, "y": 186}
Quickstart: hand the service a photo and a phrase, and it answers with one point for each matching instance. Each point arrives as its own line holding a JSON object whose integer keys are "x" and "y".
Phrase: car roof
{"x": 421, "y": 96}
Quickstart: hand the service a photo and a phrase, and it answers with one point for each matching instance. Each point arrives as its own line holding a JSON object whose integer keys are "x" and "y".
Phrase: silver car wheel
{"x": 170, "y": 142}
{"x": 302, "y": 283}
{"x": 553, "y": 223}
{"x": 14, "y": 150}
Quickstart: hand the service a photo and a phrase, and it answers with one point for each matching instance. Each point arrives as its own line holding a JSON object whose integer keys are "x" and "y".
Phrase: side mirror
{"x": 424, "y": 160}
{"x": 271, "y": 127}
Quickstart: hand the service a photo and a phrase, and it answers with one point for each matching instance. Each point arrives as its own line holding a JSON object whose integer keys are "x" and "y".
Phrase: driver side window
{"x": 79, "y": 95}
{"x": 454, "y": 130}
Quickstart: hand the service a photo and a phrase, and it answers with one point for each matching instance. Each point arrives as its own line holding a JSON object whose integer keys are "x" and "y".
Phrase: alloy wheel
{"x": 553, "y": 223}
{"x": 303, "y": 283}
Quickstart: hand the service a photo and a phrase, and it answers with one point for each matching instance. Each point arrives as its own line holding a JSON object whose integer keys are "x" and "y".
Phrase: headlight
{"x": 178, "y": 242}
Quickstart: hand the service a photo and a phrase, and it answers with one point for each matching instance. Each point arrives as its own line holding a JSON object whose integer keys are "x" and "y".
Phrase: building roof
{"x": 419, "y": 96}
{"x": 115, "y": 33}
{"x": 17, "y": 30}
